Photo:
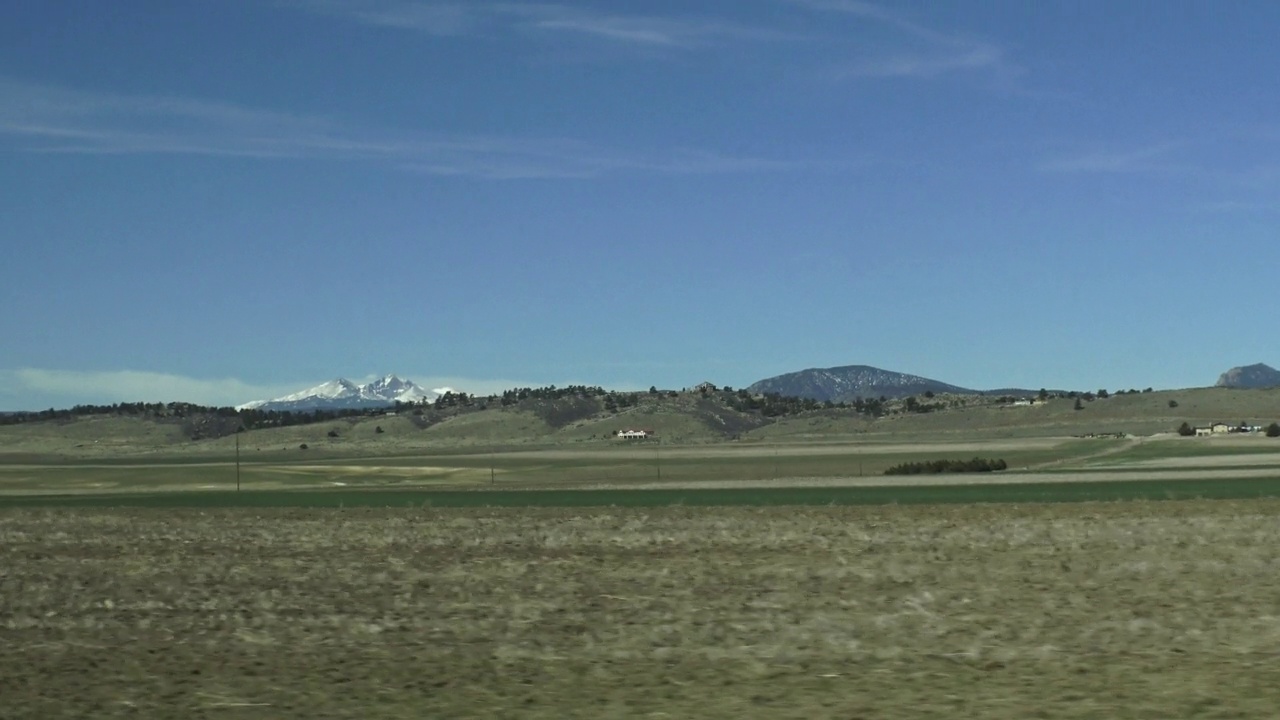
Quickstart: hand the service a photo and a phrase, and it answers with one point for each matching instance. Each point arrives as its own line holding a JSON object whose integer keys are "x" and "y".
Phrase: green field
{"x": 1048, "y": 470}
{"x": 515, "y": 468}
{"x": 1040, "y": 492}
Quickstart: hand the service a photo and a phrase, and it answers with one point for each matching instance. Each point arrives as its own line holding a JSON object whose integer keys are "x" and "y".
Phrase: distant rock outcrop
{"x": 1250, "y": 377}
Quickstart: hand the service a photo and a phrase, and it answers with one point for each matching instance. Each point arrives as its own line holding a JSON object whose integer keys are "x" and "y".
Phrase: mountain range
{"x": 342, "y": 394}
{"x": 1250, "y": 377}
{"x": 837, "y": 384}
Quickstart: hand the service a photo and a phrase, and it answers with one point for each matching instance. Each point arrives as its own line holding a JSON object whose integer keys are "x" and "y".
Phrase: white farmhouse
{"x": 634, "y": 434}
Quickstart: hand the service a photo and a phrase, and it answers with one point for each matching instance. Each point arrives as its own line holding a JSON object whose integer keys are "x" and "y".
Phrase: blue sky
{"x": 220, "y": 201}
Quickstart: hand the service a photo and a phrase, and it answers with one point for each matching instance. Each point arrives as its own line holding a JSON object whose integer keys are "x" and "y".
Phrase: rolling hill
{"x": 687, "y": 418}
{"x": 843, "y": 384}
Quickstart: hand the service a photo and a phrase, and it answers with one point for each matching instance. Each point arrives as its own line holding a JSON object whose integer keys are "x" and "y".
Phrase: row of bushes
{"x": 934, "y": 467}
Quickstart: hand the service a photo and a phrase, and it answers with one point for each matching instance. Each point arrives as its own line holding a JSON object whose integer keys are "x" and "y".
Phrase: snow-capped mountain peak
{"x": 342, "y": 393}
{"x": 388, "y": 384}
{"x": 332, "y": 390}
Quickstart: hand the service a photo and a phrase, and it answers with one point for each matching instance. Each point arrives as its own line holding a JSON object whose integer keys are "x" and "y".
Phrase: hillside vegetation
{"x": 583, "y": 417}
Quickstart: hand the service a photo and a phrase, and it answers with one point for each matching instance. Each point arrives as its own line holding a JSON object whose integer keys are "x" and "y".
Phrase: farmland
{"x": 1160, "y": 609}
{"x": 1097, "y": 577}
{"x": 1040, "y": 469}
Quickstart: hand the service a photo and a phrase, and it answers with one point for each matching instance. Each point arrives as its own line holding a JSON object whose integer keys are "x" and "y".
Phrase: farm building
{"x": 634, "y": 434}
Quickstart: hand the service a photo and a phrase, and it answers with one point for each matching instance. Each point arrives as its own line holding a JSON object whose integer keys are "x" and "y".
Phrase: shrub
{"x": 1173, "y": 403}
{"x": 934, "y": 467}
{"x": 1273, "y": 430}
{"x": 1185, "y": 430}
{"x": 303, "y": 446}
{"x": 333, "y": 433}
{"x": 378, "y": 430}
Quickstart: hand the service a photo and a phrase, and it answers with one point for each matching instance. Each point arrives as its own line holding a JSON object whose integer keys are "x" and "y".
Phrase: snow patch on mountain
{"x": 344, "y": 394}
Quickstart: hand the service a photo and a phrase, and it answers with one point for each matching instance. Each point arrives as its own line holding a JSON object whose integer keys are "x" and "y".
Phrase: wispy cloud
{"x": 925, "y": 65}
{"x": 430, "y": 18}
{"x": 1231, "y": 207}
{"x": 37, "y": 118}
{"x": 912, "y": 49}
{"x": 587, "y": 162}
{"x": 443, "y": 18}
{"x": 906, "y": 48}
{"x": 1146, "y": 160}
{"x": 63, "y": 388}
{"x": 670, "y": 31}
{"x": 1219, "y": 173}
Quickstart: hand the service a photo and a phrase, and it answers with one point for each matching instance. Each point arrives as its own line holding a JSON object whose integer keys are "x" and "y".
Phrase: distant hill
{"x": 1250, "y": 377}
{"x": 842, "y": 384}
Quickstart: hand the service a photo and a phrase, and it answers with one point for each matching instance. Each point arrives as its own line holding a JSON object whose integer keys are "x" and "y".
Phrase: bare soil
{"x": 1136, "y": 610}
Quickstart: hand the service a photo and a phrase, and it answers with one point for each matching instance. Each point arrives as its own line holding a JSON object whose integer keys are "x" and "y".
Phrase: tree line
{"x": 551, "y": 392}
{"x": 250, "y": 418}
{"x": 934, "y": 467}
{"x": 778, "y": 405}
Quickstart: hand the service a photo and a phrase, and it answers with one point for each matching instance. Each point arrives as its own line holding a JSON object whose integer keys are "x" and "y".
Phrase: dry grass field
{"x": 1133, "y": 610}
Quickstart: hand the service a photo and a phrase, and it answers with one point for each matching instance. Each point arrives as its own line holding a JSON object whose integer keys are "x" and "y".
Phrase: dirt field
{"x": 1137, "y": 610}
